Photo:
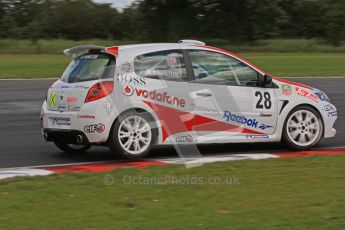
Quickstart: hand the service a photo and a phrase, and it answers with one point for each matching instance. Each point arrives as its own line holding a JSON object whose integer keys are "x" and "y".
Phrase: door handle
{"x": 266, "y": 114}
{"x": 204, "y": 94}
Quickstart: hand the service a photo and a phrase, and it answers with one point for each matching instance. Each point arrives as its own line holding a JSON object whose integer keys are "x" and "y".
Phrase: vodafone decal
{"x": 161, "y": 97}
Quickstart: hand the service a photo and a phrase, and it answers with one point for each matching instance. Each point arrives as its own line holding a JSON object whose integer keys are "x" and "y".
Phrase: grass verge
{"x": 287, "y": 64}
{"x": 295, "y": 193}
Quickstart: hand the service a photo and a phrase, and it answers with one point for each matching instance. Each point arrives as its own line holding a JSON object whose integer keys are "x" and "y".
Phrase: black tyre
{"x": 303, "y": 128}
{"x": 133, "y": 135}
{"x": 71, "y": 148}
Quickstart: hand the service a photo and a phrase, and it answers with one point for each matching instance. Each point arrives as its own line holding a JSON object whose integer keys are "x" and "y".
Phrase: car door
{"x": 226, "y": 97}
{"x": 165, "y": 90}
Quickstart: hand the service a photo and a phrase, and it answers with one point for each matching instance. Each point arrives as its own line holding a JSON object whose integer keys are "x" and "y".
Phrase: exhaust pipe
{"x": 45, "y": 135}
{"x": 79, "y": 139}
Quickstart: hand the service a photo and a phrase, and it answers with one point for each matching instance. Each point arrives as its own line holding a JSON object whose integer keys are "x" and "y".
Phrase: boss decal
{"x": 99, "y": 128}
{"x": 131, "y": 79}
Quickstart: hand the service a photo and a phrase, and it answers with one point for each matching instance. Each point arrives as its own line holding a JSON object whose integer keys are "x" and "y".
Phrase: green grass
{"x": 286, "y": 64}
{"x": 300, "y": 64}
{"x": 54, "y": 46}
{"x": 295, "y": 193}
{"x": 32, "y": 65}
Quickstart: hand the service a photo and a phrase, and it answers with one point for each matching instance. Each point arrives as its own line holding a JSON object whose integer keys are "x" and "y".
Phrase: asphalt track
{"x": 21, "y": 143}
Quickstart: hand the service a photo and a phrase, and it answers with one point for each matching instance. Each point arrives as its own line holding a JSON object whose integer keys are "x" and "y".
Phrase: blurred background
{"x": 248, "y": 27}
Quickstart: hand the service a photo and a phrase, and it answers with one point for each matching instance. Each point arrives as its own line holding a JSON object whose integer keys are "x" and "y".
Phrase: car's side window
{"x": 166, "y": 65}
{"x": 216, "y": 68}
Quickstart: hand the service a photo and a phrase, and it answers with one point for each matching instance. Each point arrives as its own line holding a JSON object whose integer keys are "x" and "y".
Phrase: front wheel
{"x": 303, "y": 128}
{"x": 72, "y": 148}
{"x": 133, "y": 135}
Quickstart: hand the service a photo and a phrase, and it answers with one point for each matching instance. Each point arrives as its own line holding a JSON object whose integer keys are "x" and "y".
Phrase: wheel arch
{"x": 138, "y": 110}
{"x": 310, "y": 106}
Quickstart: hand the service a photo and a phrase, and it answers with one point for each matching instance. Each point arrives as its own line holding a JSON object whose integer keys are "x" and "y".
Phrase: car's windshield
{"x": 89, "y": 67}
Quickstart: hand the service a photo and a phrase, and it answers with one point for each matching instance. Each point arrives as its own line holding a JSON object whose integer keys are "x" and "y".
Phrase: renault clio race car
{"x": 135, "y": 96}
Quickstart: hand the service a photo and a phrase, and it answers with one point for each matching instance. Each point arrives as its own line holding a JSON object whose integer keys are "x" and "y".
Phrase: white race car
{"x": 135, "y": 96}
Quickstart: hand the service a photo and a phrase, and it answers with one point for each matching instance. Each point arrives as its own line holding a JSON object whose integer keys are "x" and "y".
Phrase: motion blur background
{"x": 220, "y": 21}
{"x": 285, "y": 37}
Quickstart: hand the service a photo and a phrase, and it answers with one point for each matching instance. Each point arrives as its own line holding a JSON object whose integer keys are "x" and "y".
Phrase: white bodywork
{"x": 202, "y": 113}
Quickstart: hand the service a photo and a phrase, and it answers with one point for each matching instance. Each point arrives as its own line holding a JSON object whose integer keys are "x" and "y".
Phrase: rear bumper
{"x": 83, "y": 122}
{"x": 65, "y": 136}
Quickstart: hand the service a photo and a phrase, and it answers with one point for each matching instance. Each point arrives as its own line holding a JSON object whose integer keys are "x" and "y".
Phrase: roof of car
{"x": 78, "y": 50}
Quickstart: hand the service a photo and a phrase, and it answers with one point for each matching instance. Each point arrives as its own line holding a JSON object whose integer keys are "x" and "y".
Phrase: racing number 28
{"x": 264, "y": 100}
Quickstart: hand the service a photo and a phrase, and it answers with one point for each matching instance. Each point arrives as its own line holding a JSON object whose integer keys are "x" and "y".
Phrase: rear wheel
{"x": 71, "y": 148}
{"x": 133, "y": 135}
{"x": 303, "y": 128}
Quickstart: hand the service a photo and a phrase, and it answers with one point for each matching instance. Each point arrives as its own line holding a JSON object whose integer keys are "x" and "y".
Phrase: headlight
{"x": 321, "y": 95}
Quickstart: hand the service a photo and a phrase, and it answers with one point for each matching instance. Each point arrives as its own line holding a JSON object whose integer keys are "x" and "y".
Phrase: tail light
{"x": 99, "y": 90}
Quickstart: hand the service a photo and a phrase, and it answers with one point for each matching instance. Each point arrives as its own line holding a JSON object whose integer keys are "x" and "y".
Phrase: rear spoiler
{"x": 79, "y": 50}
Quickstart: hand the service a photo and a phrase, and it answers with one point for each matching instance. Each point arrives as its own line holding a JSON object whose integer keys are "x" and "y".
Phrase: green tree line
{"x": 170, "y": 20}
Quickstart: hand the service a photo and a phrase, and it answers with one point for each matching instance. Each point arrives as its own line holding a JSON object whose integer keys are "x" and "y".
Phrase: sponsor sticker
{"x": 184, "y": 139}
{"x": 52, "y": 99}
{"x": 81, "y": 87}
{"x": 126, "y": 67}
{"x": 263, "y": 127}
{"x": 332, "y": 114}
{"x": 159, "y": 73}
{"x": 108, "y": 107}
{"x": 287, "y": 90}
{"x": 99, "y": 128}
{"x": 61, "y": 107}
{"x": 305, "y": 93}
{"x": 172, "y": 61}
{"x": 128, "y": 90}
{"x": 161, "y": 97}
{"x": 71, "y": 99}
{"x": 329, "y": 108}
{"x": 131, "y": 78}
{"x": 62, "y": 121}
{"x": 241, "y": 119}
{"x": 257, "y": 136}
{"x": 86, "y": 116}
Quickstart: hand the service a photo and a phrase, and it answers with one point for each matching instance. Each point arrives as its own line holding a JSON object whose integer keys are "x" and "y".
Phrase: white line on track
{"x": 164, "y": 158}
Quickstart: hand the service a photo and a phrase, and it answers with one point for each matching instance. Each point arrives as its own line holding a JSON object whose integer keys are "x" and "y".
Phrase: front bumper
{"x": 329, "y": 115}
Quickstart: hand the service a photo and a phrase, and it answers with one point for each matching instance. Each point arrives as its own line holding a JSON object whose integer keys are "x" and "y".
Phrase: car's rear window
{"x": 89, "y": 67}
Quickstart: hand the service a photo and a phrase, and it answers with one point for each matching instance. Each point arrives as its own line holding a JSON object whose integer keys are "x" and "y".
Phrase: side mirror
{"x": 265, "y": 80}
